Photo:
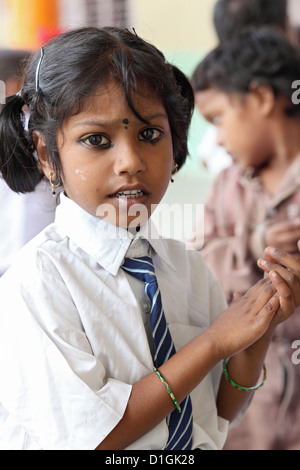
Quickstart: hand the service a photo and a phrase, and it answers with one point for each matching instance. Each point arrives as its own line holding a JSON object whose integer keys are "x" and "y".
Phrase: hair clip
{"x": 37, "y": 73}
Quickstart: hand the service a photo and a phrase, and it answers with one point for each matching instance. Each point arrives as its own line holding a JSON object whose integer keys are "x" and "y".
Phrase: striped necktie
{"x": 180, "y": 424}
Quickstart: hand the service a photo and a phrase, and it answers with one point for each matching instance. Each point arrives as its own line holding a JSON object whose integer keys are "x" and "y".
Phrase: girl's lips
{"x": 134, "y": 193}
{"x": 128, "y": 196}
{"x": 130, "y": 192}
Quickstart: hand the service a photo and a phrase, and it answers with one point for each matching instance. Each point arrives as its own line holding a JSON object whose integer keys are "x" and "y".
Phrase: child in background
{"x": 22, "y": 215}
{"x": 79, "y": 340}
{"x": 230, "y": 17}
{"x": 244, "y": 88}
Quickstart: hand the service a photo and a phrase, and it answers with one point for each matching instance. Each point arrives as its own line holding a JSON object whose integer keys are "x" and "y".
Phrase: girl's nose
{"x": 128, "y": 160}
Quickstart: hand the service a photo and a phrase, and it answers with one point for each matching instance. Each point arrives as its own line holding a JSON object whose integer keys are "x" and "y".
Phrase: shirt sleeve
{"x": 52, "y": 383}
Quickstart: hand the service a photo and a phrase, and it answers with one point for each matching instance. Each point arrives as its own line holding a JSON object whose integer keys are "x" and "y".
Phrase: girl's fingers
{"x": 278, "y": 256}
{"x": 286, "y": 298}
{"x": 269, "y": 266}
{"x": 289, "y": 281}
{"x": 262, "y": 296}
{"x": 252, "y": 292}
{"x": 268, "y": 311}
{"x": 266, "y": 305}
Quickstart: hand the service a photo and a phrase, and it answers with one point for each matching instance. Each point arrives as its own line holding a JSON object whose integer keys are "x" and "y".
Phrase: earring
{"x": 174, "y": 170}
{"x": 53, "y": 186}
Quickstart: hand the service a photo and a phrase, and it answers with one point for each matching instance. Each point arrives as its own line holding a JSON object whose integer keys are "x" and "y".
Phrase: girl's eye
{"x": 150, "y": 135}
{"x": 96, "y": 140}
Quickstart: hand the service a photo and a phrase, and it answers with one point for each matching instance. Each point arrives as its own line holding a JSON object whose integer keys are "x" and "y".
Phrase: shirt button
{"x": 147, "y": 307}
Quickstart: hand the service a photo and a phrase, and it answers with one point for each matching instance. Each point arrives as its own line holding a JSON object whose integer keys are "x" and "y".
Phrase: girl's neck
{"x": 286, "y": 143}
{"x": 286, "y": 150}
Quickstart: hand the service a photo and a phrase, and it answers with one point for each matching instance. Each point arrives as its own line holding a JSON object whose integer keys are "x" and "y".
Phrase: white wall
{"x": 175, "y": 24}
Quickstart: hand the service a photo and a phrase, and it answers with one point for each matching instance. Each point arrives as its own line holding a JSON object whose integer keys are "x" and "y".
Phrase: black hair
{"x": 262, "y": 57}
{"x": 74, "y": 65}
{"x": 232, "y": 16}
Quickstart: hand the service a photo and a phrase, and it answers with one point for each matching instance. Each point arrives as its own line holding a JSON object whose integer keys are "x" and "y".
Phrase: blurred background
{"x": 182, "y": 30}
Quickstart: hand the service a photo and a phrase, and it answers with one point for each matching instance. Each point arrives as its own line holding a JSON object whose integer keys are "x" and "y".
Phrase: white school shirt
{"x": 73, "y": 341}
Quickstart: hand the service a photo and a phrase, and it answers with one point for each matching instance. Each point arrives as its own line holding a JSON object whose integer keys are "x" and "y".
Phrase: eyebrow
{"x": 92, "y": 122}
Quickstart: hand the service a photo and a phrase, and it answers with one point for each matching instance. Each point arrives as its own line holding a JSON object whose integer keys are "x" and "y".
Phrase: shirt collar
{"x": 104, "y": 242}
{"x": 290, "y": 179}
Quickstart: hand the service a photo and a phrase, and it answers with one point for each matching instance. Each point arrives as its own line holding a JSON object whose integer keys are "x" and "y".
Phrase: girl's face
{"x": 241, "y": 123}
{"x": 115, "y": 166}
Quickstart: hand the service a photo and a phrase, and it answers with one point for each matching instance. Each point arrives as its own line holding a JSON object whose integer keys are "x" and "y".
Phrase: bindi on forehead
{"x": 126, "y": 122}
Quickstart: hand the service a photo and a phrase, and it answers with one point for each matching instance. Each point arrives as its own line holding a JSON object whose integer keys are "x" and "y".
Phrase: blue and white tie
{"x": 180, "y": 424}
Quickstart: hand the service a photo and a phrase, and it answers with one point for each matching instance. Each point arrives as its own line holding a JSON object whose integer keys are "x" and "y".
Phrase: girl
{"x": 245, "y": 88}
{"x": 79, "y": 337}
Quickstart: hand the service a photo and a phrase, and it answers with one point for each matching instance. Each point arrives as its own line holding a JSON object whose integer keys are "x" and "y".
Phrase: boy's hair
{"x": 232, "y": 16}
{"x": 74, "y": 65}
{"x": 260, "y": 57}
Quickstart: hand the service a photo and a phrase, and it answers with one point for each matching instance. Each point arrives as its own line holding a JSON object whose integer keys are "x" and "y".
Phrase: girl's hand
{"x": 284, "y": 271}
{"x": 246, "y": 320}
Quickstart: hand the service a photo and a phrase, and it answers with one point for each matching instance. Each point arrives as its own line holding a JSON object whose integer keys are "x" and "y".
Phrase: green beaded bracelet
{"x": 168, "y": 389}
{"x": 239, "y": 387}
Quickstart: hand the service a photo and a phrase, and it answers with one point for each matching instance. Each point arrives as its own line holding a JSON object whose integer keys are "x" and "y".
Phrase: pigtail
{"x": 18, "y": 164}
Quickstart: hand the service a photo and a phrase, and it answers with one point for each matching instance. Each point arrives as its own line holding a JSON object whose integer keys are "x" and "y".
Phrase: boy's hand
{"x": 284, "y": 271}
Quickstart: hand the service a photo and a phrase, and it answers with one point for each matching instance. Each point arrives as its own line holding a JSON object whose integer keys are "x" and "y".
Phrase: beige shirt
{"x": 237, "y": 212}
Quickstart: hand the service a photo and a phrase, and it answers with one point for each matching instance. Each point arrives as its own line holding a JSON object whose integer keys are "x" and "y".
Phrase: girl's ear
{"x": 41, "y": 148}
{"x": 264, "y": 96}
